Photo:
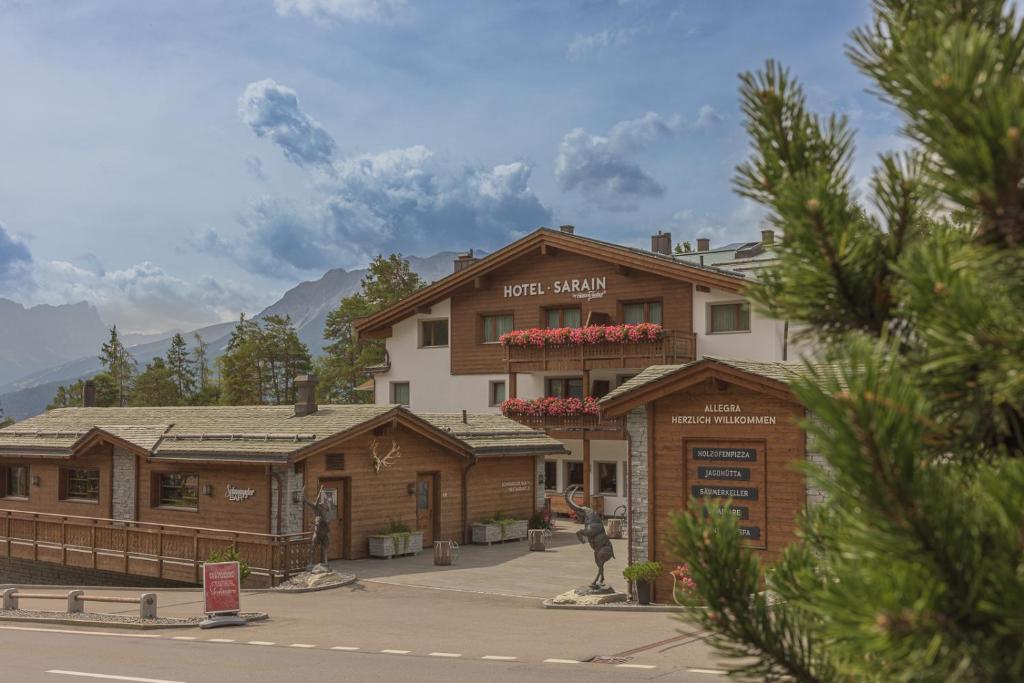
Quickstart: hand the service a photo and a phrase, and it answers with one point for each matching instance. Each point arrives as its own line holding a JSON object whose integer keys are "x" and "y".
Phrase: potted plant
{"x": 499, "y": 527}
{"x": 396, "y": 539}
{"x": 642, "y": 575}
{"x": 539, "y": 531}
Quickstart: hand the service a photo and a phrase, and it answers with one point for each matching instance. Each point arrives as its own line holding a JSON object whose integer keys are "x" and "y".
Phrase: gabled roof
{"x": 257, "y": 434}
{"x": 658, "y": 381}
{"x": 378, "y": 324}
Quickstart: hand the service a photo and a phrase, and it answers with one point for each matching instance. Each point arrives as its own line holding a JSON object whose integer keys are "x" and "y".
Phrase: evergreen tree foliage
{"x": 343, "y": 367}
{"x": 156, "y": 385}
{"x": 207, "y": 392}
{"x": 913, "y": 568}
{"x": 72, "y": 395}
{"x": 261, "y": 362}
{"x": 119, "y": 364}
{"x": 5, "y": 421}
{"x": 182, "y": 368}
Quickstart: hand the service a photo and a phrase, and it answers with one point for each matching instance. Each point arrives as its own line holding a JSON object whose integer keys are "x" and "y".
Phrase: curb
{"x": 133, "y": 626}
{"x": 617, "y": 607}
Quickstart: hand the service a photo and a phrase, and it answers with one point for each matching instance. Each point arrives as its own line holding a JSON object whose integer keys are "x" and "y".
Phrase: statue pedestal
{"x": 589, "y": 596}
{"x": 319, "y": 578}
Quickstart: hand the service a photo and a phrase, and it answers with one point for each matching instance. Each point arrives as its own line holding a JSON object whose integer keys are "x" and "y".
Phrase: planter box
{"x": 391, "y": 546}
{"x": 492, "y": 533}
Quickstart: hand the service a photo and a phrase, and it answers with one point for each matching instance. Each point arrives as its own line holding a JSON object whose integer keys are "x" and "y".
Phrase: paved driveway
{"x": 500, "y": 569}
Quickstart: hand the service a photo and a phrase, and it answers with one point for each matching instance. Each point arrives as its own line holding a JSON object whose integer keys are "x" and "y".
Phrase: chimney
{"x": 305, "y": 395}
{"x": 465, "y": 260}
{"x": 767, "y": 237}
{"x": 662, "y": 243}
{"x": 568, "y": 229}
{"x": 703, "y": 244}
{"x": 89, "y": 394}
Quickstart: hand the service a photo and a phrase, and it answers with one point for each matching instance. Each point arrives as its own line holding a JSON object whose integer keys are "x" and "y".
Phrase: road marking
{"x": 562, "y": 661}
{"x": 445, "y": 654}
{"x": 715, "y": 672}
{"x": 499, "y": 658}
{"x": 109, "y": 677}
{"x": 260, "y": 642}
{"x": 636, "y": 666}
{"x": 305, "y": 645}
{"x": 345, "y": 648}
{"x": 183, "y": 638}
{"x": 79, "y": 633}
{"x": 396, "y": 652}
{"x": 220, "y": 640}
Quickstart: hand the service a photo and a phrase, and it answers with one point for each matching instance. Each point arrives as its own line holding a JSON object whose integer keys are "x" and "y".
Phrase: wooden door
{"x": 426, "y": 505}
{"x": 334, "y": 489}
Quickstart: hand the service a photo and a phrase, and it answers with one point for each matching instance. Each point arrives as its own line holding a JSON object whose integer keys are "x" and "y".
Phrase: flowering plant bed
{"x": 552, "y": 406}
{"x": 392, "y": 545}
{"x": 537, "y": 337}
{"x": 499, "y": 529}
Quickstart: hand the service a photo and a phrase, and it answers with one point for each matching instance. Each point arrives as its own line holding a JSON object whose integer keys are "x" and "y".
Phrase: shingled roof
{"x": 253, "y": 433}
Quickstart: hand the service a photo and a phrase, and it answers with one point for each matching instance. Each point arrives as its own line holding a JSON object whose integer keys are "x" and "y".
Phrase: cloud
{"x": 272, "y": 111}
{"x": 707, "y": 117}
{"x": 583, "y": 45}
{"x": 328, "y": 11}
{"x": 15, "y": 257}
{"x": 143, "y": 297}
{"x": 397, "y": 200}
{"x": 254, "y": 165}
{"x": 598, "y": 164}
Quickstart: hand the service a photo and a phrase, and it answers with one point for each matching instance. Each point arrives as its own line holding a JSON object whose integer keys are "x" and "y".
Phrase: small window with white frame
{"x": 729, "y": 317}
{"x": 433, "y": 333}
{"x": 400, "y": 393}
{"x": 496, "y": 393}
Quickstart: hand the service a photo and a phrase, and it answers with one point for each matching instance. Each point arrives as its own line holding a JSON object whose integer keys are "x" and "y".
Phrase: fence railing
{"x": 163, "y": 551}
{"x": 568, "y": 423}
{"x": 673, "y": 347}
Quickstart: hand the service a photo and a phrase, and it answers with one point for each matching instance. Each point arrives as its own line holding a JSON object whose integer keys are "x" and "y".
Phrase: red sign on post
{"x": 221, "y": 584}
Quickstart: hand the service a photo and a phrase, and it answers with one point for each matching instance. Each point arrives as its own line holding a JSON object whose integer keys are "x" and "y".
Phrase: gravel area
{"x": 94, "y": 618}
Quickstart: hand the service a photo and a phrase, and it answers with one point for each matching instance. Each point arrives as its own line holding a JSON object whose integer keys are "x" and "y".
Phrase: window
{"x": 14, "y": 481}
{"x": 80, "y": 484}
{"x": 728, "y": 318}
{"x": 642, "y": 312}
{"x": 494, "y": 326}
{"x": 177, "y": 490}
{"x": 400, "y": 393}
{"x": 563, "y": 317}
{"x": 497, "y": 393}
{"x": 550, "y": 475}
{"x": 573, "y": 474}
{"x": 564, "y": 387}
{"x": 433, "y": 333}
{"x": 607, "y": 479}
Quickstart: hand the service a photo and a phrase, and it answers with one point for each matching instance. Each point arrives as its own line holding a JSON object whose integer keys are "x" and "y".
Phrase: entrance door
{"x": 426, "y": 517}
{"x": 334, "y": 489}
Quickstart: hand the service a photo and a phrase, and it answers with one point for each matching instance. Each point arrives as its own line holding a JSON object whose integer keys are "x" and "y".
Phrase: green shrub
{"x": 231, "y": 554}
{"x": 538, "y": 521}
{"x": 642, "y": 572}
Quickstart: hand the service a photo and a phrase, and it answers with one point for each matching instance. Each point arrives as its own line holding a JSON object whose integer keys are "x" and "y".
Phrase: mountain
{"x": 39, "y": 337}
{"x": 308, "y": 304}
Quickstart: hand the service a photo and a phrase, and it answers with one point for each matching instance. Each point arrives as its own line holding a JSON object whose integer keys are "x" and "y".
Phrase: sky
{"x": 176, "y": 163}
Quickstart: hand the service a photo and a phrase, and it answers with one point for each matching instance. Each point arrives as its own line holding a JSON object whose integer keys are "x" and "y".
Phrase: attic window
{"x": 334, "y": 461}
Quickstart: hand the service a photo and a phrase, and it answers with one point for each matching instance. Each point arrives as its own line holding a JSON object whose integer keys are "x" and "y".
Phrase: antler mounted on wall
{"x": 387, "y": 460}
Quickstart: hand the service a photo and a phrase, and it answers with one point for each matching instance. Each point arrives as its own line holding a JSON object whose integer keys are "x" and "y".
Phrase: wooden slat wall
{"x": 782, "y": 446}
{"x": 488, "y": 495}
{"x": 469, "y": 356}
{"x": 46, "y": 496}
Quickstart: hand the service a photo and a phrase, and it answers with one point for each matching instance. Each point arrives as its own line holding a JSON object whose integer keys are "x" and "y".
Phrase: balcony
{"x": 670, "y": 347}
{"x": 555, "y": 414}
{"x": 569, "y": 423}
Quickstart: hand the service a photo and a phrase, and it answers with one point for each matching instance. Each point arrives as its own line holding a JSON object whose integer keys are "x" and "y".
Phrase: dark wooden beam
{"x": 423, "y": 309}
{"x": 624, "y": 270}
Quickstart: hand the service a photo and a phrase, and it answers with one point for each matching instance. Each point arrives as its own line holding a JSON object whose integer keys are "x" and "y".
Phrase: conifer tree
{"x": 119, "y": 364}
{"x": 156, "y": 385}
{"x": 912, "y": 569}
{"x": 181, "y": 367}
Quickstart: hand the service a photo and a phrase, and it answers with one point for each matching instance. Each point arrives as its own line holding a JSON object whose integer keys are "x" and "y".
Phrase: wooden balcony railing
{"x": 673, "y": 347}
{"x": 163, "y": 551}
{"x": 569, "y": 423}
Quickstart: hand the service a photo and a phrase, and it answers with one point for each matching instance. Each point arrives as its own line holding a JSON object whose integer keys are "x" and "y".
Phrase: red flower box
{"x": 579, "y": 336}
{"x": 549, "y": 406}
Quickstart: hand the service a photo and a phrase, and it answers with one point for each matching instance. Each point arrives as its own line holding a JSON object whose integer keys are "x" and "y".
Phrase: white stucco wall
{"x": 764, "y": 341}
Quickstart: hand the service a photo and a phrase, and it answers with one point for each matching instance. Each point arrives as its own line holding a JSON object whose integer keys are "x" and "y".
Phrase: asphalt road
{"x": 57, "y": 655}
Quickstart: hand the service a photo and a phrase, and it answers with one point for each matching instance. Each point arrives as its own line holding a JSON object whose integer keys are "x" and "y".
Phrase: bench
{"x": 76, "y": 600}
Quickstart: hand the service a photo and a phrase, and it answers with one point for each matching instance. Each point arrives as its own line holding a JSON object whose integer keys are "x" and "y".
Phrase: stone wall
{"x": 291, "y": 511}
{"x": 815, "y": 495}
{"x": 538, "y": 475}
{"x": 15, "y": 571}
{"x": 125, "y": 476}
{"x": 636, "y": 427}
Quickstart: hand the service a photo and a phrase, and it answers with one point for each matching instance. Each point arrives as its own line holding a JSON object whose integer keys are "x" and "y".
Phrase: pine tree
{"x": 156, "y": 385}
{"x": 261, "y": 362}
{"x": 71, "y": 395}
{"x": 182, "y": 368}
{"x": 207, "y": 390}
{"x": 911, "y": 569}
{"x": 343, "y": 367}
{"x": 5, "y": 421}
{"x": 120, "y": 364}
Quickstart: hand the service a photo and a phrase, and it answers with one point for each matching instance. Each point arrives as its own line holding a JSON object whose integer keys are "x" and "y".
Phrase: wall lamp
{"x": 208, "y": 490}
{"x": 35, "y": 480}
{"x": 411, "y": 488}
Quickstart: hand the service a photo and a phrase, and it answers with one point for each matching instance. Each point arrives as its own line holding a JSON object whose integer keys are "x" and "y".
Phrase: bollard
{"x": 75, "y": 602}
{"x": 147, "y": 606}
{"x": 10, "y": 596}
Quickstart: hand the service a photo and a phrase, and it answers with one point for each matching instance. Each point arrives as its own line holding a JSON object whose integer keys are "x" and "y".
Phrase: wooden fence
{"x": 673, "y": 347}
{"x": 163, "y": 551}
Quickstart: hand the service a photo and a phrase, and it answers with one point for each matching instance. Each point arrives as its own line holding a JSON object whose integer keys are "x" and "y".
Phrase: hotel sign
{"x": 723, "y": 414}
{"x": 734, "y": 454}
{"x": 237, "y": 495}
{"x": 724, "y": 492}
{"x": 721, "y": 473}
{"x": 579, "y": 288}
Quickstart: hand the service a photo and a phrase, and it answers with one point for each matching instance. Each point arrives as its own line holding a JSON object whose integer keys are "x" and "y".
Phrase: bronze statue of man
{"x": 321, "y": 527}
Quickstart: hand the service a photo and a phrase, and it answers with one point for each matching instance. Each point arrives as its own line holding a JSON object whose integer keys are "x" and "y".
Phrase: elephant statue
{"x": 592, "y": 532}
